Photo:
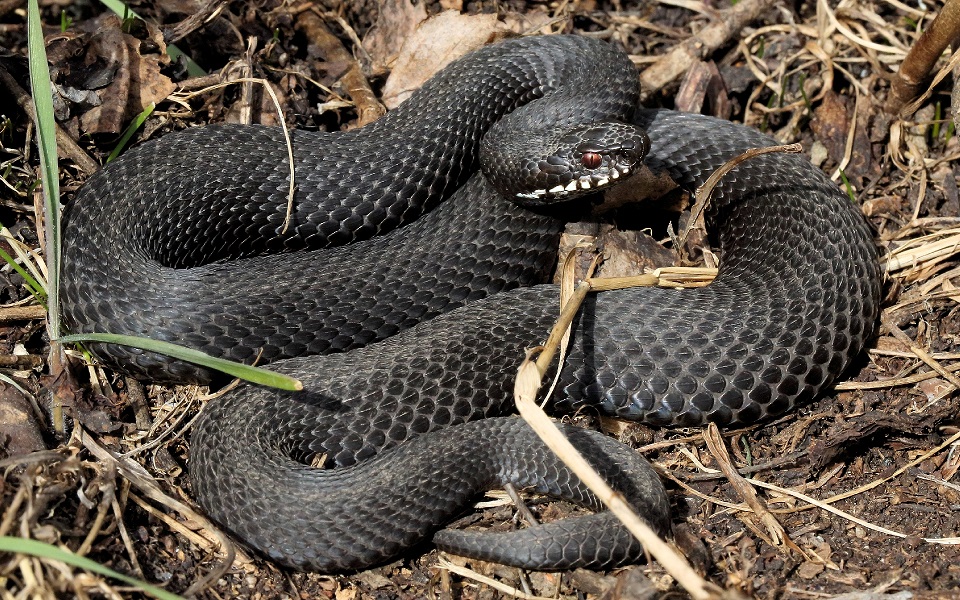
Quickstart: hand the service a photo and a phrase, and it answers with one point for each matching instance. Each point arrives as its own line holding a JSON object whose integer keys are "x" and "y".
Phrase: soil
{"x": 879, "y": 451}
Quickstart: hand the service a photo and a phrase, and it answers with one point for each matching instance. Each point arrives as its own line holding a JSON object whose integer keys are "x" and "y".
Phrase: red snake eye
{"x": 591, "y": 160}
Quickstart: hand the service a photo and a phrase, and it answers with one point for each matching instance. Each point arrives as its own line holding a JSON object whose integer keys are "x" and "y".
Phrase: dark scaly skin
{"x": 797, "y": 263}
{"x": 796, "y": 298}
{"x": 202, "y": 196}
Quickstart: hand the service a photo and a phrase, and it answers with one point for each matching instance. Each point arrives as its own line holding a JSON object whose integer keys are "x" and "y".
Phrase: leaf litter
{"x": 881, "y": 447}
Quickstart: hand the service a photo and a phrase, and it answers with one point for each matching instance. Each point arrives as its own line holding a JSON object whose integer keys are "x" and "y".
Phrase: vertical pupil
{"x": 591, "y": 160}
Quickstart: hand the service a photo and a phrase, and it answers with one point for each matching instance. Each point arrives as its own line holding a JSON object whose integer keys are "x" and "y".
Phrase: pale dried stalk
{"x": 922, "y": 249}
{"x": 489, "y": 581}
{"x": 672, "y": 65}
{"x": 525, "y": 393}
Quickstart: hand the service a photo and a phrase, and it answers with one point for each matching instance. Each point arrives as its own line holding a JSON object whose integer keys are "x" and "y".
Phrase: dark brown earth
{"x": 882, "y": 446}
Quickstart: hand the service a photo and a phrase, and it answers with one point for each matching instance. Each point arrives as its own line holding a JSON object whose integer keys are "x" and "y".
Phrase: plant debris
{"x": 855, "y": 496}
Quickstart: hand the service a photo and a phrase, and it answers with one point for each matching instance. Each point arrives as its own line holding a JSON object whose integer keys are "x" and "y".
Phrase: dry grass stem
{"x": 675, "y": 63}
{"x": 528, "y": 381}
{"x": 892, "y": 382}
{"x": 673, "y": 277}
{"x": 918, "y": 251}
{"x": 142, "y": 480}
{"x": 705, "y": 191}
{"x": 527, "y": 386}
{"x": 474, "y": 576}
{"x": 822, "y": 504}
{"x": 920, "y": 352}
{"x": 775, "y": 532}
{"x": 877, "y": 482}
{"x": 286, "y": 133}
{"x": 66, "y": 146}
{"x": 369, "y": 108}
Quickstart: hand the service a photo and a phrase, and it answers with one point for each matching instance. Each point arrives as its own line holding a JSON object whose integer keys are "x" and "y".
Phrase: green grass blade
{"x": 124, "y": 12}
{"x": 32, "y": 284}
{"x": 848, "y": 187}
{"x": 49, "y": 171}
{"x": 130, "y": 130}
{"x": 42, "y": 550}
{"x": 235, "y": 369}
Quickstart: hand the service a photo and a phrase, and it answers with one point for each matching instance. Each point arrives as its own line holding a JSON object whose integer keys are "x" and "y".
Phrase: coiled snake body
{"x": 181, "y": 239}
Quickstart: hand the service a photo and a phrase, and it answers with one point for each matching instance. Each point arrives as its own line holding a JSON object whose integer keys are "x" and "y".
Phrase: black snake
{"x": 181, "y": 239}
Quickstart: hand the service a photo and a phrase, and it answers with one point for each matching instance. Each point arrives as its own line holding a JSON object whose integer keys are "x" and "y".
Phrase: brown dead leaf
{"x": 830, "y": 124}
{"x": 20, "y": 430}
{"x": 628, "y": 253}
{"x": 531, "y": 21}
{"x": 934, "y": 388}
{"x": 436, "y": 43}
{"x": 108, "y": 75}
{"x": 396, "y": 22}
{"x": 138, "y": 81}
{"x": 809, "y": 570}
{"x": 703, "y": 85}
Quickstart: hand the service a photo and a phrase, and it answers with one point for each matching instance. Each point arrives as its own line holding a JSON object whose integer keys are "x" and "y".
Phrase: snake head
{"x": 577, "y": 161}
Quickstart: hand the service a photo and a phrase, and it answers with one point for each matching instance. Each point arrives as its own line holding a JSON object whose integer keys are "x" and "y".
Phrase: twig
{"x": 705, "y": 191}
{"x": 136, "y": 475}
{"x": 675, "y": 63}
{"x": 926, "y": 51}
{"x": 207, "y": 12}
{"x": 525, "y": 513}
{"x": 22, "y": 313}
{"x": 65, "y": 144}
{"x": 920, "y": 352}
{"x": 500, "y": 587}
{"x": 20, "y": 361}
{"x": 369, "y": 108}
{"x": 777, "y": 534}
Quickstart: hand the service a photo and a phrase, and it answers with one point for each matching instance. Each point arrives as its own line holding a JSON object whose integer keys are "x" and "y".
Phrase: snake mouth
{"x": 590, "y": 159}
{"x": 595, "y": 181}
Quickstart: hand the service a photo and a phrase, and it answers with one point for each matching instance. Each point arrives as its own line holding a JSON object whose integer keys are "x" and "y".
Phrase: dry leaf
{"x": 436, "y": 43}
{"x": 114, "y": 66}
{"x": 396, "y": 22}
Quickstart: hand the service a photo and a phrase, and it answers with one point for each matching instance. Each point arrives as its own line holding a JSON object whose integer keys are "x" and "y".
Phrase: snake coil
{"x": 181, "y": 239}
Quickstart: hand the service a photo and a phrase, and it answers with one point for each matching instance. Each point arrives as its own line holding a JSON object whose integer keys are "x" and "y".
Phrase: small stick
{"x": 672, "y": 65}
{"x": 65, "y": 144}
{"x": 20, "y": 361}
{"x": 776, "y": 532}
{"x": 705, "y": 191}
{"x": 369, "y": 108}
{"x": 137, "y": 475}
{"x": 22, "y": 313}
{"x": 920, "y": 352}
{"x": 923, "y": 55}
{"x": 525, "y": 513}
{"x": 207, "y": 12}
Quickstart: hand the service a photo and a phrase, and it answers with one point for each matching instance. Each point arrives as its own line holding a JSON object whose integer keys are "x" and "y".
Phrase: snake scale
{"x": 182, "y": 239}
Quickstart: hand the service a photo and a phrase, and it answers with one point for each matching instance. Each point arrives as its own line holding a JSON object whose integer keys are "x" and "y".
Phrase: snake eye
{"x": 591, "y": 160}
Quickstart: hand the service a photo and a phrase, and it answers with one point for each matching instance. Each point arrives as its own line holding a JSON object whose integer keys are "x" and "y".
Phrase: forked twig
{"x": 529, "y": 381}
{"x": 705, "y": 192}
{"x": 525, "y": 393}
